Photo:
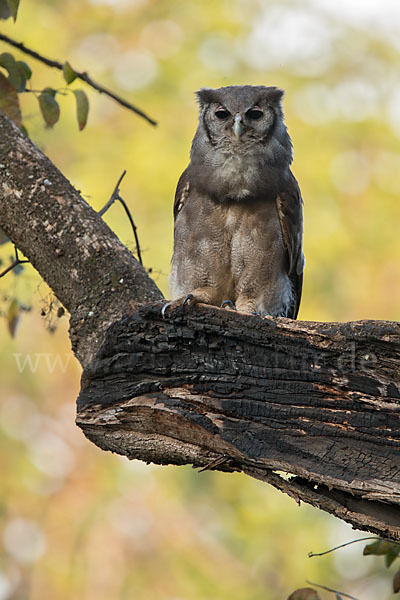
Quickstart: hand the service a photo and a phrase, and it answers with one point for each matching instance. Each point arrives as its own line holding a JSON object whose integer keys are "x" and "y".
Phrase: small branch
{"x": 116, "y": 196}
{"x": 83, "y": 76}
{"x": 215, "y": 463}
{"x": 139, "y": 255}
{"x": 312, "y": 554}
{"x": 17, "y": 261}
{"x": 328, "y": 589}
{"x": 113, "y": 196}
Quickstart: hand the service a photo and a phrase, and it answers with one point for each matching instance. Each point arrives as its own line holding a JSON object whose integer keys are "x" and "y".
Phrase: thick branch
{"x": 82, "y": 76}
{"x": 320, "y": 401}
{"x": 81, "y": 259}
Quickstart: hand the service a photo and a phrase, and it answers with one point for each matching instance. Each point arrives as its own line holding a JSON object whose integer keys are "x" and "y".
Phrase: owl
{"x": 238, "y": 210}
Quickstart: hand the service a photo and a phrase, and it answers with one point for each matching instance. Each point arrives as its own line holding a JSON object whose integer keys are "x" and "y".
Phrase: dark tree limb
{"x": 319, "y": 402}
{"x": 56, "y": 64}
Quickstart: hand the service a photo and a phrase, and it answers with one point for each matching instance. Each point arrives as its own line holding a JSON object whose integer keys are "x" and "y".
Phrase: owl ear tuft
{"x": 205, "y": 96}
{"x": 274, "y": 94}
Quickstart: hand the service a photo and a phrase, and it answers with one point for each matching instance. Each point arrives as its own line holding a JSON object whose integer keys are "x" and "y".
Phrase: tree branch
{"x": 83, "y": 76}
{"x": 92, "y": 274}
{"x": 319, "y": 401}
{"x": 216, "y": 389}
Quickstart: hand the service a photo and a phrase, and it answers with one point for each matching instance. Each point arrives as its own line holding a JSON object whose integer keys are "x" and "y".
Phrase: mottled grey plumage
{"x": 238, "y": 208}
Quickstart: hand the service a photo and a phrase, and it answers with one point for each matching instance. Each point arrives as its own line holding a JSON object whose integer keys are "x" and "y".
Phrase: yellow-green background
{"x": 76, "y": 522}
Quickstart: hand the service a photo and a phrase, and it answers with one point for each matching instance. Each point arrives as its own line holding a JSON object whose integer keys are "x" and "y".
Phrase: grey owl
{"x": 238, "y": 208}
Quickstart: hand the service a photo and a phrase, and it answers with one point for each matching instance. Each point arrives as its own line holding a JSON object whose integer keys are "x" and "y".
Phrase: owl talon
{"x": 187, "y": 299}
{"x": 164, "y": 308}
{"x": 179, "y": 307}
{"x": 229, "y": 303}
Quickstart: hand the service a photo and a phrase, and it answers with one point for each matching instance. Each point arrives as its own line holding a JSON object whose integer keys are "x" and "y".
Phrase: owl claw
{"x": 164, "y": 308}
{"x": 228, "y": 303}
{"x": 187, "y": 299}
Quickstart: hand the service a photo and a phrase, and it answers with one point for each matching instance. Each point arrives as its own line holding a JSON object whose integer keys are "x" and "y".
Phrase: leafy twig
{"x": 311, "y": 554}
{"x": 82, "y": 76}
{"x": 327, "y": 589}
{"x": 115, "y": 196}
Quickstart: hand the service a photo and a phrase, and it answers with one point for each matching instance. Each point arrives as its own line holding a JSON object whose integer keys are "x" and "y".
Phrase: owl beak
{"x": 238, "y": 126}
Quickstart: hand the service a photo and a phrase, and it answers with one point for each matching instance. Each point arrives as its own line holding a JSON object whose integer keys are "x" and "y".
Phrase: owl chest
{"x": 238, "y": 234}
{"x": 223, "y": 233}
{"x": 237, "y": 177}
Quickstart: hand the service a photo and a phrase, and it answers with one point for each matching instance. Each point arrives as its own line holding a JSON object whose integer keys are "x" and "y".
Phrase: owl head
{"x": 241, "y": 145}
{"x": 242, "y": 113}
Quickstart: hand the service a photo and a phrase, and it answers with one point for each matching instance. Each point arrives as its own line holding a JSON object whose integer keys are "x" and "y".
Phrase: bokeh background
{"x": 76, "y": 522}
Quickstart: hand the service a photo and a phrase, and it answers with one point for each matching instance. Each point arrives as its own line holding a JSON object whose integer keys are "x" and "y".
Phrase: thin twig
{"x": 113, "y": 196}
{"x": 215, "y": 463}
{"x": 327, "y": 589}
{"x": 17, "y": 261}
{"x": 311, "y": 554}
{"x": 83, "y": 76}
{"x": 116, "y": 196}
{"x": 139, "y": 255}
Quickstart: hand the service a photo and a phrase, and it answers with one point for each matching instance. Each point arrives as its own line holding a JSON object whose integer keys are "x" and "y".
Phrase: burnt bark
{"x": 319, "y": 402}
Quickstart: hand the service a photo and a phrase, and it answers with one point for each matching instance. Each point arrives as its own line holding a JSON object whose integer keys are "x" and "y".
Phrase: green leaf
{"x": 24, "y": 130}
{"x": 7, "y": 60}
{"x": 13, "y": 5}
{"x": 5, "y": 11}
{"x": 49, "y": 107}
{"x": 3, "y": 238}
{"x": 82, "y": 108}
{"x": 17, "y": 270}
{"x": 9, "y": 102}
{"x": 377, "y": 548}
{"x": 69, "y": 74}
{"x": 51, "y": 91}
{"x": 24, "y": 68}
{"x": 391, "y": 556}
{"x": 304, "y": 594}
{"x": 18, "y": 71}
{"x": 17, "y": 79}
{"x": 396, "y": 582}
{"x": 13, "y": 315}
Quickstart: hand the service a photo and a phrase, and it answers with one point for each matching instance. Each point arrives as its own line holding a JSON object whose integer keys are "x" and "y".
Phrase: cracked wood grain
{"x": 319, "y": 401}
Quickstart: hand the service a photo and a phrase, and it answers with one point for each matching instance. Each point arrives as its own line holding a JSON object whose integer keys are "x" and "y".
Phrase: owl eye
{"x": 222, "y": 113}
{"x": 254, "y": 113}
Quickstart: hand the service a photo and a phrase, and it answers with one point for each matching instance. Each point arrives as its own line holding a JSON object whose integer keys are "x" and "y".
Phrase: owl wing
{"x": 289, "y": 205}
{"x": 182, "y": 192}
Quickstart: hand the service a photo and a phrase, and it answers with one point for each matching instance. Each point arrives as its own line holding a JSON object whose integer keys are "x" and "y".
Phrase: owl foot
{"x": 179, "y": 304}
{"x": 228, "y": 304}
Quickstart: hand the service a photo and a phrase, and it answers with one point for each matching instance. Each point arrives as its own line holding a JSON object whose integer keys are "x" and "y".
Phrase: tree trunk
{"x": 312, "y": 408}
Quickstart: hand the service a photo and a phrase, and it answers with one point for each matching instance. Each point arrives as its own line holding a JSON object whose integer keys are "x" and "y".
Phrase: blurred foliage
{"x": 79, "y": 523}
{"x": 390, "y": 551}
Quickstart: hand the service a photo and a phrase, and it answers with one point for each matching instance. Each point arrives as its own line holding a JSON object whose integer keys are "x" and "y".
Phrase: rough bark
{"x": 90, "y": 271}
{"x": 318, "y": 401}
